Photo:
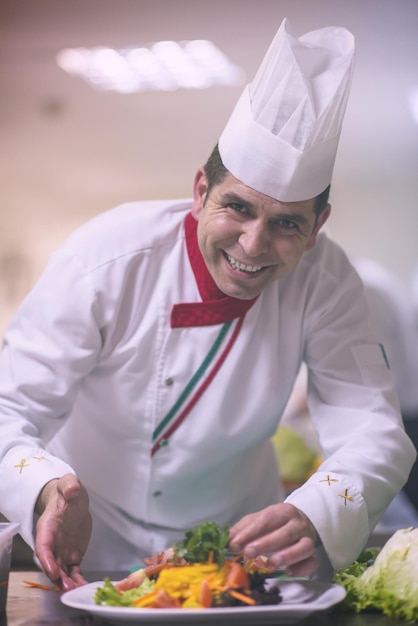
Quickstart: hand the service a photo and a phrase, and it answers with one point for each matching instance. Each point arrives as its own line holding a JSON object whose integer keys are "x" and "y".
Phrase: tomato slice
{"x": 165, "y": 601}
{"x": 130, "y": 582}
{"x": 237, "y": 577}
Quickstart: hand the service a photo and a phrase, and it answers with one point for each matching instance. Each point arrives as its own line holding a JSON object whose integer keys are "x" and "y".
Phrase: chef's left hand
{"x": 281, "y": 532}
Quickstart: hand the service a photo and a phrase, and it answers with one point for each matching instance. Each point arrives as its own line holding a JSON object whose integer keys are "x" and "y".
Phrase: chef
{"x": 143, "y": 376}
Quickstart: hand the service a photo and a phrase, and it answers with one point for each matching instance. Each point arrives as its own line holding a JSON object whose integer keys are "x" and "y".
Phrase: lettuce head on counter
{"x": 385, "y": 580}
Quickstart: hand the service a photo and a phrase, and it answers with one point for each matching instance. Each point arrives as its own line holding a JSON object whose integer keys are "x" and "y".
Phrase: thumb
{"x": 69, "y": 486}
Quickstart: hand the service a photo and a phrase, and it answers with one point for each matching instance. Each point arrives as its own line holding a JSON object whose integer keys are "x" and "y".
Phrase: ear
{"x": 322, "y": 218}
{"x": 200, "y": 188}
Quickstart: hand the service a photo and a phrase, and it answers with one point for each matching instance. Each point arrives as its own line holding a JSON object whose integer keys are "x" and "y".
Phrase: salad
{"x": 197, "y": 573}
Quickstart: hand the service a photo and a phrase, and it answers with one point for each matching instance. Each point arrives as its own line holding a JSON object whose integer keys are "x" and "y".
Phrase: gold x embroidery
{"x": 21, "y": 465}
{"x": 346, "y": 497}
{"x": 329, "y": 480}
{"x": 39, "y": 458}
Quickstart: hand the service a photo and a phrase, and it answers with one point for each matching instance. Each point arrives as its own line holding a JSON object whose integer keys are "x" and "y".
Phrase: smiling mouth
{"x": 242, "y": 267}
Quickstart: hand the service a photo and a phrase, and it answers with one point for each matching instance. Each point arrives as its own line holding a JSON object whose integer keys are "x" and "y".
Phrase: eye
{"x": 237, "y": 207}
{"x": 287, "y": 224}
{"x": 238, "y": 210}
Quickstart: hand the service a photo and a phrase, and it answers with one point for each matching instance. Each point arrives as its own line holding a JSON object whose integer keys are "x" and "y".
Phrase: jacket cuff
{"x": 338, "y": 512}
{"x": 28, "y": 471}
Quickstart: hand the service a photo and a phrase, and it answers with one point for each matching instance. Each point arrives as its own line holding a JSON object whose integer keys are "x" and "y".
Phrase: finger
{"x": 44, "y": 552}
{"x": 64, "y": 575}
{"x": 262, "y": 529}
{"x": 55, "y": 560}
{"x": 74, "y": 572}
{"x": 49, "y": 565}
{"x": 292, "y": 555}
{"x": 65, "y": 582}
{"x": 307, "y": 567}
{"x": 288, "y": 535}
{"x": 69, "y": 577}
{"x": 255, "y": 525}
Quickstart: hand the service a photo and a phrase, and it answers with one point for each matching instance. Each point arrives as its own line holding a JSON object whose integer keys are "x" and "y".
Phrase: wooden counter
{"x": 30, "y": 606}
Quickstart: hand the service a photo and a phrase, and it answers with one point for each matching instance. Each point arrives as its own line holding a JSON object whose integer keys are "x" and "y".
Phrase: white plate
{"x": 300, "y": 598}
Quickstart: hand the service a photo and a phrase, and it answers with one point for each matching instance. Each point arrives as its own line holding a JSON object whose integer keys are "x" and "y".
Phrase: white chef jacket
{"x": 92, "y": 369}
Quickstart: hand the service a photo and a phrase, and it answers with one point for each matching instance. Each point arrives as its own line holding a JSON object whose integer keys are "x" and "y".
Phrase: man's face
{"x": 249, "y": 240}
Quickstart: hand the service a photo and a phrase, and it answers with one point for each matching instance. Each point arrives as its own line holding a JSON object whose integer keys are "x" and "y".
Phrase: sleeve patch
{"x": 372, "y": 362}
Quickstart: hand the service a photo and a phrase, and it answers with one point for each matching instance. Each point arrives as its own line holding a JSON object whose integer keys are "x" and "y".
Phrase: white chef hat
{"x": 282, "y": 136}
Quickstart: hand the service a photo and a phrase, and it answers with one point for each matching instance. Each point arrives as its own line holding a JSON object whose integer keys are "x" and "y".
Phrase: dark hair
{"x": 216, "y": 172}
{"x": 321, "y": 201}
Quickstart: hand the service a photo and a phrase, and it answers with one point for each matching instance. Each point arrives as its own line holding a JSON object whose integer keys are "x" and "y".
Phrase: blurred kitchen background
{"x": 70, "y": 150}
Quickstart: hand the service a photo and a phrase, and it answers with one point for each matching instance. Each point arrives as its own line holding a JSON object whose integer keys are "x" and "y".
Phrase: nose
{"x": 254, "y": 239}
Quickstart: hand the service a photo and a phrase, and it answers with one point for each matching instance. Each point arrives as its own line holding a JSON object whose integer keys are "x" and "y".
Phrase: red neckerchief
{"x": 216, "y": 307}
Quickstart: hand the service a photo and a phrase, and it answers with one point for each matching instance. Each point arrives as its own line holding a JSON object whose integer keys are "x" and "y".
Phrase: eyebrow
{"x": 292, "y": 217}
{"x": 229, "y": 197}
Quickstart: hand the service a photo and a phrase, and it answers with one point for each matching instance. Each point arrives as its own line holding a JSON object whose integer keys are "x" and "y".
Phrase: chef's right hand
{"x": 63, "y": 530}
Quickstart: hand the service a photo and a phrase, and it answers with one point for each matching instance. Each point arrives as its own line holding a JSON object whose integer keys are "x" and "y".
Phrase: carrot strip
{"x": 241, "y": 596}
{"x": 205, "y": 595}
{"x": 146, "y": 600}
{"x": 31, "y": 583}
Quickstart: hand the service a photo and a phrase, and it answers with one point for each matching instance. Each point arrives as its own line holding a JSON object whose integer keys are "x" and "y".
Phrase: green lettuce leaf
{"x": 348, "y": 578}
{"x": 108, "y": 595}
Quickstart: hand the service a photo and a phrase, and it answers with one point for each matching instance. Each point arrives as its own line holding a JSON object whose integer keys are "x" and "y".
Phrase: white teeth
{"x": 241, "y": 266}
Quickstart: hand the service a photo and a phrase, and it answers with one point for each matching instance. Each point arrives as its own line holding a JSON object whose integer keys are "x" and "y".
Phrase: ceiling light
{"x": 164, "y": 65}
